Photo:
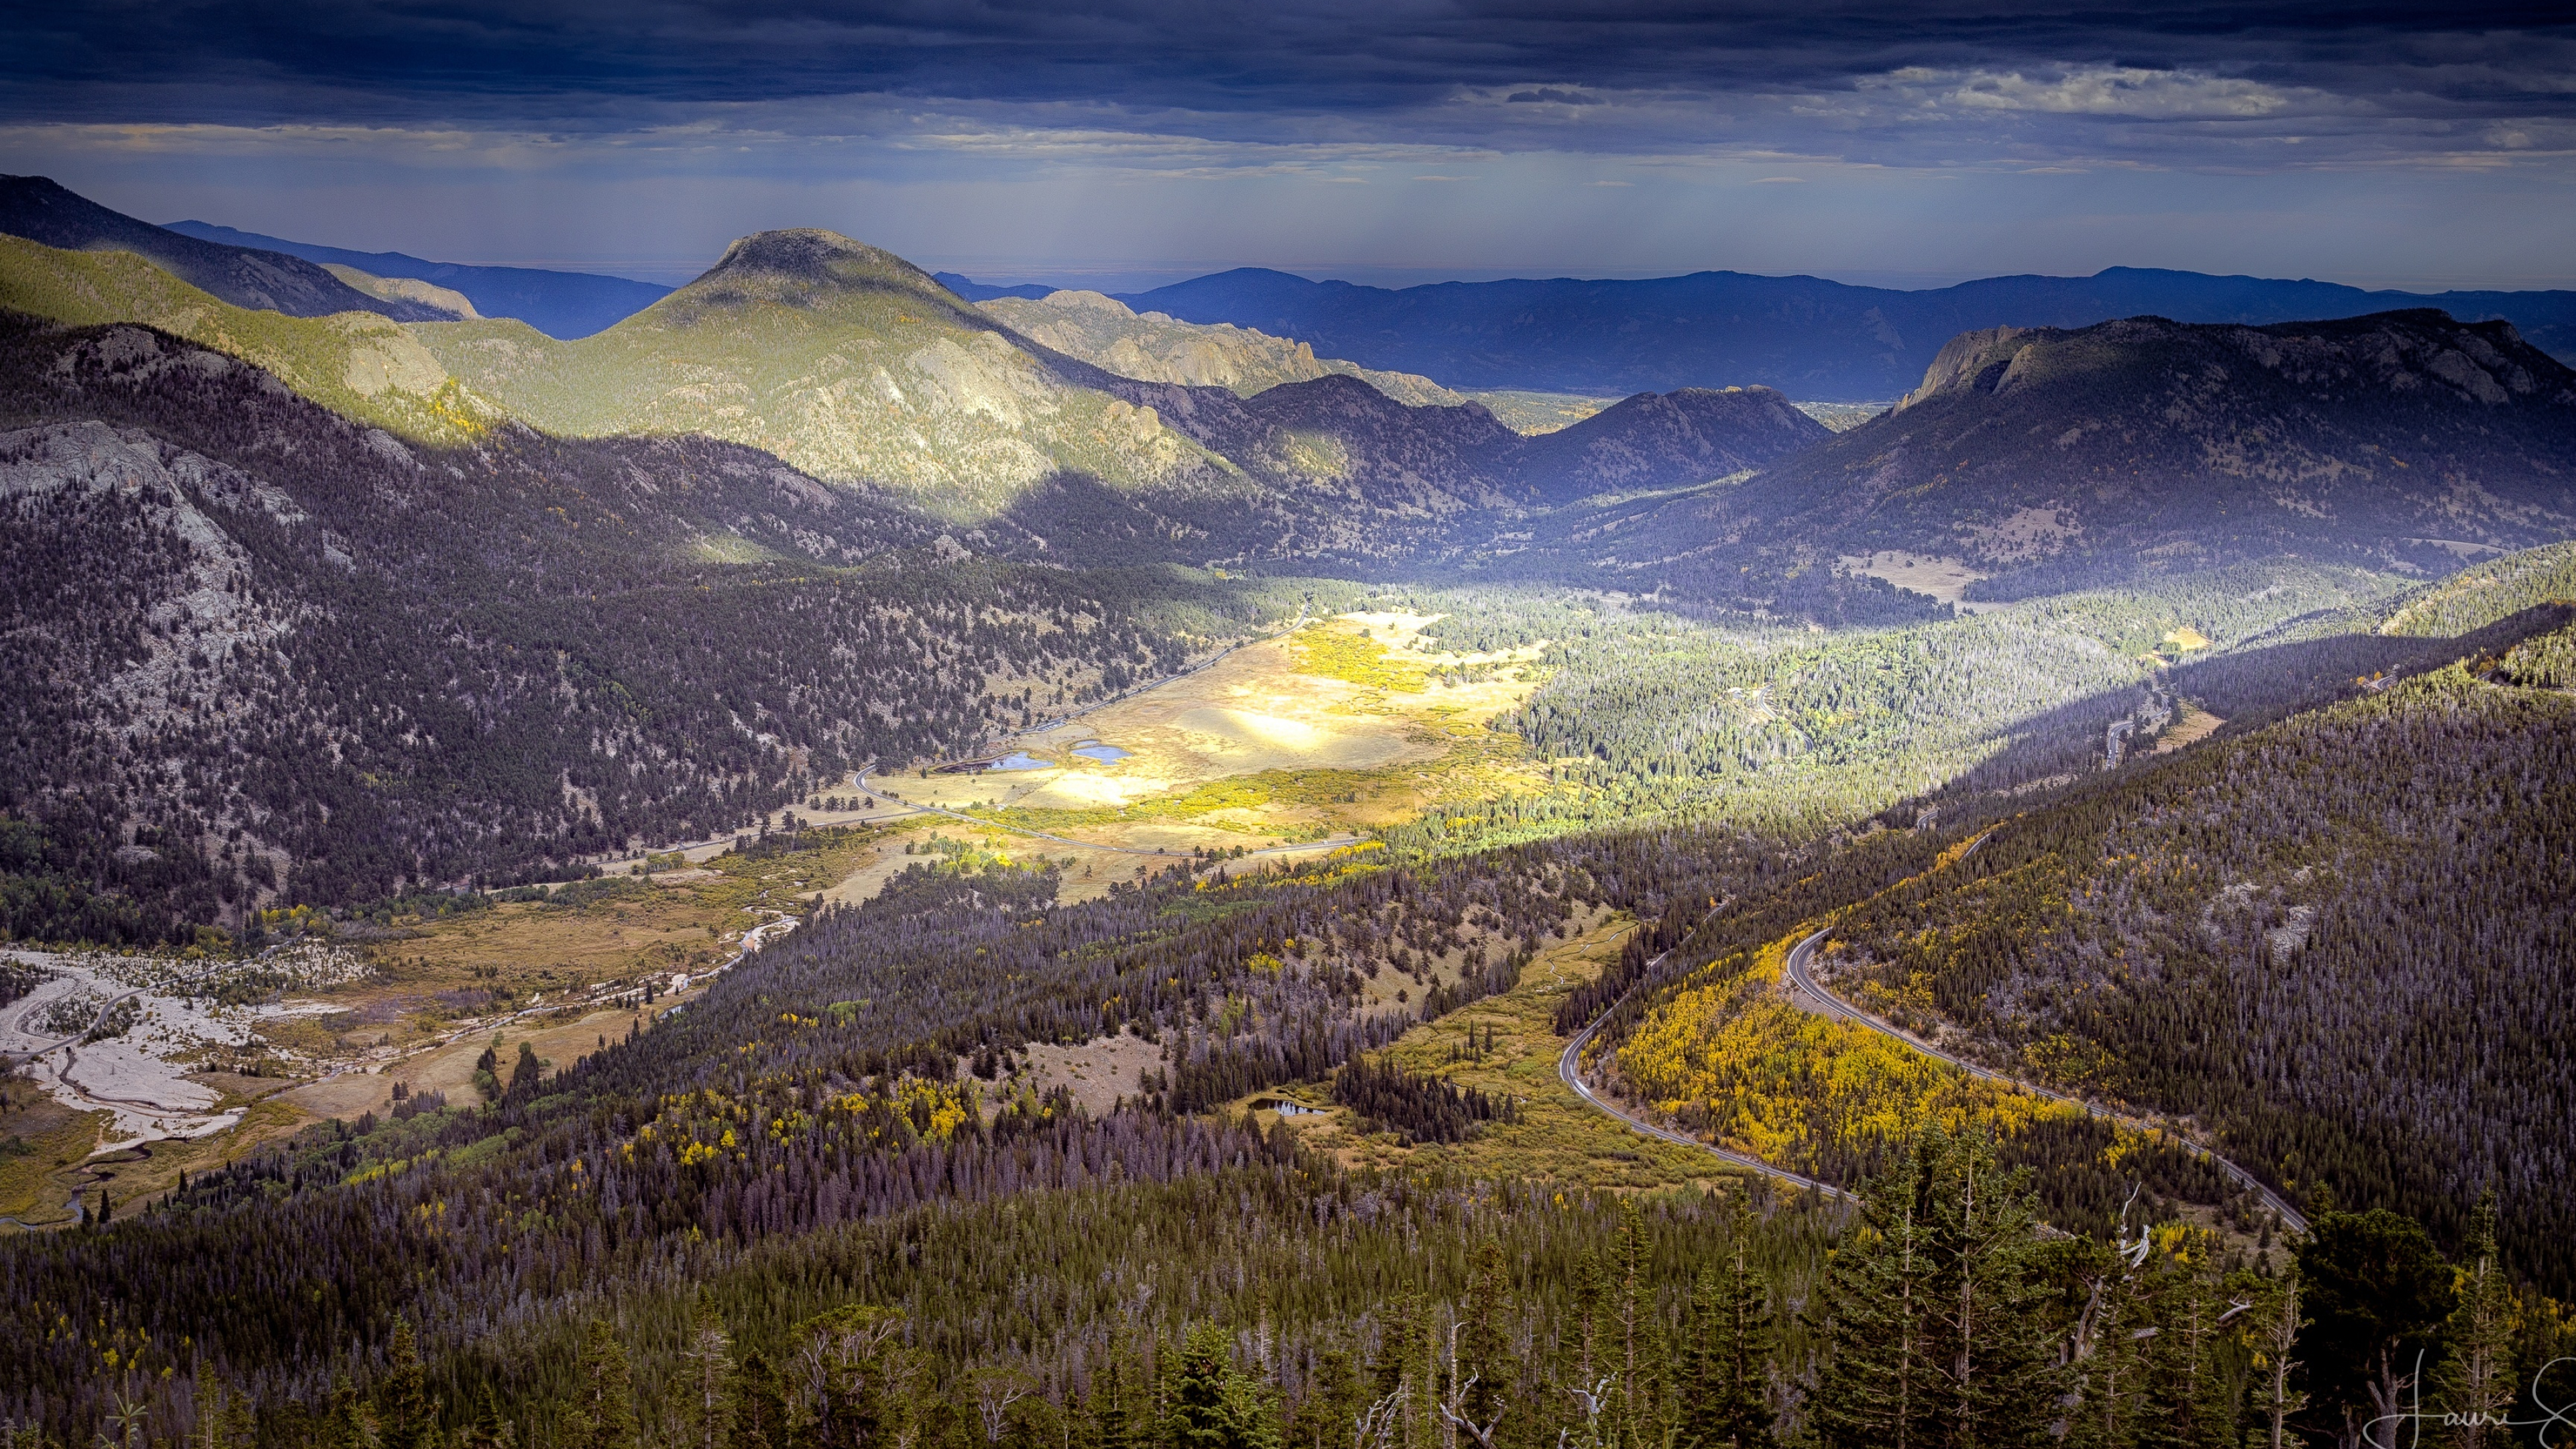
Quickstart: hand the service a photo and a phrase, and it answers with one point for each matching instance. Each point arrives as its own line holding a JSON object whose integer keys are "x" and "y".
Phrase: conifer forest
{"x": 833, "y": 856}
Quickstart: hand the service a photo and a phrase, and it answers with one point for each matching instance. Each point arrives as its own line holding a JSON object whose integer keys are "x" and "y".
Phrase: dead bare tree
{"x": 1454, "y": 1407}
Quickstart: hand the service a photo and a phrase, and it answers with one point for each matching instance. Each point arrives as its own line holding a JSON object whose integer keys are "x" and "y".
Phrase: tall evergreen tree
{"x": 1933, "y": 1317}
{"x": 406, "y": 1417}
{"x": 864, "y": 1400}
{"x": 2185, "y": 1399}
{"x": 2478, "y": 1379}
{"x": 1398, "y": 1374}
{"x": 1723, "y": 1401}
{"x": 1214, "y": 1405}
{"x": 489, "y": 1429}
{"x": 707, "y": 1386}
{"x": 1990, "y": 1351}
{"x": 604, "y": 1415}
{"x": 760, "y": 1405}
{"x": 1632, "y": 1320}
{"x": 1874, "y": 1318}
{"x": 2378, "y": 1293}
{"x": 345, "y": 1421}
{"x": 1108, "y": 1407}
{"x": 1483, "y": 1379}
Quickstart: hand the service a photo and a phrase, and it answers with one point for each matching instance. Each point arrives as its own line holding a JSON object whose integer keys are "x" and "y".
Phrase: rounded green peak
{"x": 811, "y": 254}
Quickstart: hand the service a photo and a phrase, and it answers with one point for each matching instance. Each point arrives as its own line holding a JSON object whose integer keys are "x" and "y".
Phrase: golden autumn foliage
{"x": 1730, "y": 1056}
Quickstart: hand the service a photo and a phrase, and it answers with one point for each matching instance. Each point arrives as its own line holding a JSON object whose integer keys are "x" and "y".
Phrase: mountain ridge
{"x": 43, "y": 211}
{"x": 2389, "y": 437}
{"x": 562, "y": 305}
{"x": 1814, "y": 339}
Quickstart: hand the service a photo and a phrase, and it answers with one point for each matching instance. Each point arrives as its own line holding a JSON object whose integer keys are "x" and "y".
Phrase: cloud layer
{"x": 2378, "y": 112}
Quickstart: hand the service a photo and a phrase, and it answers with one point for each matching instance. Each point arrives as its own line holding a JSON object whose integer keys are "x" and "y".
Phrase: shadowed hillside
{"x": 41, "y": 211}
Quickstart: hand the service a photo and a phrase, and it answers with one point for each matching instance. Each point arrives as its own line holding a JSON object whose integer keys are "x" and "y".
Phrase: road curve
{"x": 11, "y": 1060}
{"x": 1569, "y": 1070}
{"x": 1801, "y": 981}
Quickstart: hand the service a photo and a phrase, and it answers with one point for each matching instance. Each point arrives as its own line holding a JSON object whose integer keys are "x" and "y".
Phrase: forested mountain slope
{"x": 42, "y": 211}
{"x": 2485, "y": 592}
{"x": 360, "y": 365}
{"x": 808, "y": 1093}
{"x": 1773, "y": 725}
{"x": 2338, "y": 942}
{"x": 279, "y": 650}
{"x": 2056, "y": 461}
{"x": 1650, "y": 441}
{"x": 2067, "y": 453}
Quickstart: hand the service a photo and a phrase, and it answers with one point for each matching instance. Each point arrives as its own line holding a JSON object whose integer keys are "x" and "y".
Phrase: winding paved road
{"x": 1569, "y": 1070}
{"x": 1800, "y": 981}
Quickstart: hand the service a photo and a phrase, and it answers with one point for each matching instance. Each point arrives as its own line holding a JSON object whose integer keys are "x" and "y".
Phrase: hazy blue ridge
{"x": 43, "y": 211}
{"x": 975, "y": 291}
{"x": 559, "y": 304}
{"x": 1810, "y": 338}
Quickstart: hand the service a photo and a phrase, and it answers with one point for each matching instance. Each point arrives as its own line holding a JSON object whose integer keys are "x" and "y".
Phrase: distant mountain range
{"x": 1151, "y": 347}
{"x": 1812, "y": 339}
{"x": 558, "y": 304}
{"x": 1074, "y": 429}
{"x": 2053, "y": 460}
{"x": 42, "y": 211}
{"x": 851, "y": 364}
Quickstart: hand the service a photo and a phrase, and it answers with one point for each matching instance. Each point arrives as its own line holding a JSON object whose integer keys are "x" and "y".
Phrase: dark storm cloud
{"x": 593, "y": 65}
{"x": 2376, "y": 144}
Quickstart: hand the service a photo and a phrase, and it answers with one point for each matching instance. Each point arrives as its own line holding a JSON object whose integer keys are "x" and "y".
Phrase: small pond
{"x": 1095, "y": 750}
{"x": 1020, "y": 760}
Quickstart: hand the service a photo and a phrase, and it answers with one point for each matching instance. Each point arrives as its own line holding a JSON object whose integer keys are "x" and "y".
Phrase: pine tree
{"x": 490, "y": 1430}
{"x": 2478, "y": 1380}
{"x": 604, "y": 1416}
{"x": 1396, "y": 1374}
{"x": 865, "y": 1399}
{"x": 223, "y": 1416}
{"x": 1877, "y": 1380}
{"x": 1989, "y": 1352}
{"x": 1108, "y": 1407}
{"x": 1334, "y": 1404}
{"x": 2176, "y": 1398}
{"x": 406, "y": 1417}
{"x": 760, "y": 1406}
{"x": 1214, "y": 1405}
{"x": 345, "y": 1421}
{"x": 2377, "y": 1294}
{"x": 1731, "y": 1401}
{"x": 527, "y": 1072}
{"x": 708, "y": 1383}
{"x": 1481, "y": 1379}
{"x": 1634, "y": 1326}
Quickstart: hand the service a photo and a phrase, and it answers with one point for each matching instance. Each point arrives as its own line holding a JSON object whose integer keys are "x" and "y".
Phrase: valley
{"x": 829, "y": 855}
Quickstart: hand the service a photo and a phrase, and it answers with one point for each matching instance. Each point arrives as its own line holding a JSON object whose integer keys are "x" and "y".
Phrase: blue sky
{"x": 1392, "y": 141}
